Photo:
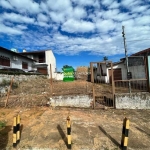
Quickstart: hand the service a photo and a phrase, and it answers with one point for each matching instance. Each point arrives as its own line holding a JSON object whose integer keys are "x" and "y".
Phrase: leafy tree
{"x": 105, "y": 58}
{"x": 66, "y": 66}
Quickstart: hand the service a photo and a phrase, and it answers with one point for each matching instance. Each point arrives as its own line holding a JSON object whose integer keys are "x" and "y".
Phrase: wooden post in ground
{"x": 92, "y": 74}
{"x": 93, "y": 96}
{"x": 18, "y": 128}
{"x": 69, "y": 132}
{"x": 15, "y": 132}
{"x": 51, "y": 80}
{"x": 113, "y": 85}
{"x": 125, "y": 134}
{"x": 8, "y": 92}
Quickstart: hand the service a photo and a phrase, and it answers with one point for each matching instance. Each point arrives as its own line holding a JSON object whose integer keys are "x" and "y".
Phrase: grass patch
{"x": 2, "y": 124}
{"x": 7, "y": 83}
{"x": 3, "y": 113}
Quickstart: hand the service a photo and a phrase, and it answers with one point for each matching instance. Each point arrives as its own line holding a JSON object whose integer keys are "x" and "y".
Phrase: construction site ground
{"x": 44, "y": 128}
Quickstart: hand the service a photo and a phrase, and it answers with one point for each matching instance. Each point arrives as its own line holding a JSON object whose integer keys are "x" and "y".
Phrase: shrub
{"x": 2, "y": 124}
{"x": 7, "y": 83}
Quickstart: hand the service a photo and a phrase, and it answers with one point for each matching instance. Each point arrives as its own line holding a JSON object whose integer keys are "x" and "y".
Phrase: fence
{"x": 137, "y": 85}
{"x": 103, "y": 94}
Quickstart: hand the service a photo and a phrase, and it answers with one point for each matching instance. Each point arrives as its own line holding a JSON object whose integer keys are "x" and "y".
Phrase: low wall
{"x": 72, "y": 100}
{"x": 20, "y": 77}
{"x": 133, "y": 100}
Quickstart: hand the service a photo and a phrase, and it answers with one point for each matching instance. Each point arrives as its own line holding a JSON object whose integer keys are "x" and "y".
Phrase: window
{"x": 4, "y": 61}
{"x": 24, "y": 65}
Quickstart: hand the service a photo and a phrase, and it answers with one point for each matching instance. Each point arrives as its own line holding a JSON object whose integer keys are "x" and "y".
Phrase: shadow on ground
{"x": 143, "y": 131}
{"x": 62, "y": 134}
{"x": 109, "y": 136}
{"x": 4, "y": 136}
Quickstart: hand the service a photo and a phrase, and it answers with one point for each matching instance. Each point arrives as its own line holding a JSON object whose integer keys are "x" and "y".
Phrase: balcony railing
{"x": 40, "y": 60}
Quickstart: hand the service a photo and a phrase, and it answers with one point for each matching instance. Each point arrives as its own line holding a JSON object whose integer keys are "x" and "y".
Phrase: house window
{"x": 4, "y": 61}
{"x": 24, "y": 65}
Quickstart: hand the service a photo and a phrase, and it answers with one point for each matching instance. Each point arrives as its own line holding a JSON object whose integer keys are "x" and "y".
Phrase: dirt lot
{"x": 38, "y": 91}
{"x": 45, "y": 128}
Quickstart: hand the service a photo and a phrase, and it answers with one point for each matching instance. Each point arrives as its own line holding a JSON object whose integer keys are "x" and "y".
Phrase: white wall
{"x": 59, "y": 76}
{"x": 138, "y": 72}
{"x": 50, "y": 59}
{"x": 17, "y": 63}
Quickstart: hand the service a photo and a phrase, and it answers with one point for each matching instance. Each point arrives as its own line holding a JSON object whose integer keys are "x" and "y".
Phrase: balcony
{"x": 40, "y": 60}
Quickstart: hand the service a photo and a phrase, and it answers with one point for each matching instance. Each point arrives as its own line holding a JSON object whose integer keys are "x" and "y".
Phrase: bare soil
{"x": 45, "y": 128}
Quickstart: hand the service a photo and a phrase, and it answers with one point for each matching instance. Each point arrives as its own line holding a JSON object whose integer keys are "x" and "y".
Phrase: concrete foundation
{"x": 133, "y": 100}
{"x": 72, "y": 100}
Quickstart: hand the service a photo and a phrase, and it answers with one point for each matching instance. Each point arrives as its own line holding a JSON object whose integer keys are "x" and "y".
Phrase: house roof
{"x": 119, "y": 62}
{"x": 14, "y": 53}
{"x": 135, "y": 58}
{"x": 34, "y": 52}
{"x": 143, "y": 52}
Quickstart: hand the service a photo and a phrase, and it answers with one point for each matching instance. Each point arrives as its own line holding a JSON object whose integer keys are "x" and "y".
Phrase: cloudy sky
{"x": 78, "y": 31}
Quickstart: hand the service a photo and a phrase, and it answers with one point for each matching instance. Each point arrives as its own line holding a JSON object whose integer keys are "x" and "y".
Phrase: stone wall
{"x": 133, "y": 100}
{"x": 4, "y": 85}
{"x": 19, "y": 77}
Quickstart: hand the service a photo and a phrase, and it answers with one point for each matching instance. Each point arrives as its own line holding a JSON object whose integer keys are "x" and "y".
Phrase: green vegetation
{"x": 2, "y": 113}
{"x": 2, "y": 124}
{"x": 7, "y": 83}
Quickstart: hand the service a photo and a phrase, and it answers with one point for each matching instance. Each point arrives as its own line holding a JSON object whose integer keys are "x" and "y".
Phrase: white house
{"x": 11, "y": 59}
{"x": 136, "y": 67}
{"x": 43, "y": 60}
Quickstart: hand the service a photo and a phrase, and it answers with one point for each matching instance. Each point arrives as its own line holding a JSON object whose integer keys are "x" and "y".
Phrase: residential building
{"x": 11, "y": 59}
{"x": 136, "y": 65}
{"x": 43, "y": 59}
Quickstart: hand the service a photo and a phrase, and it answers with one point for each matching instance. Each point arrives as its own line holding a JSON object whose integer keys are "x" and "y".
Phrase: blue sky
{"x": 78, "y": 31}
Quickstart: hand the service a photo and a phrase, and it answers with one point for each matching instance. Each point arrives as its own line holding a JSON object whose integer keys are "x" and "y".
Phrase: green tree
{"x": 105, "y": 58}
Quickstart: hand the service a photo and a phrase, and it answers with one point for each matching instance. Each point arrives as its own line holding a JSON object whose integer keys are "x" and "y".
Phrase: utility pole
{"x": 126, "y": 55}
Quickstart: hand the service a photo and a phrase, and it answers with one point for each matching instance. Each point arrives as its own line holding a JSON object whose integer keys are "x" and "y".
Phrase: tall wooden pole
{"x": 113, "y": 85}
{"x": 51, "y": 80}
{"x": 126, "y": 55}
{"x": 92, "y": 76}
{"x": 8, "y": 93}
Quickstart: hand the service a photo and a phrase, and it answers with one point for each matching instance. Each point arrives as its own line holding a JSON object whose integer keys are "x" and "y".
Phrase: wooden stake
{"x": 93, "y": 96}
{"x": 113, "y": 85}
{"x": 51, "y": 80}
{"x": 8, "y": 93}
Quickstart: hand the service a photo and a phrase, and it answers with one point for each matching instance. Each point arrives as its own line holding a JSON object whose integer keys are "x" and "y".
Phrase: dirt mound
{"x": 82, "y": 73}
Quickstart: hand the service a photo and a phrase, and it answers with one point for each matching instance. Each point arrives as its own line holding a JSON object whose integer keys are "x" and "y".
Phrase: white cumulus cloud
{"x": 5, "y": 4}
{"x": 17, "y": 18}
{"x": 42, "y": 17}
{"x": 77, "y": 26}
{"x": 9, "y": 30}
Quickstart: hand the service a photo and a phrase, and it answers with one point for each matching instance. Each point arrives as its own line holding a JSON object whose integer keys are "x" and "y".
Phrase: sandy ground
{"x": 44, "y": 128}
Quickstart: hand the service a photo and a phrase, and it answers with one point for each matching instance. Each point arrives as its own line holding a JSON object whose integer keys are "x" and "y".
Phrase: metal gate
{"x": 103, "y": 93}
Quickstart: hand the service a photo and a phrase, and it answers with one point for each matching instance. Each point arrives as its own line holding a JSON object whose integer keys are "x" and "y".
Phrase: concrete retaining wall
{"x": 133, "y": 100}
{"x": 72, "y": 101}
